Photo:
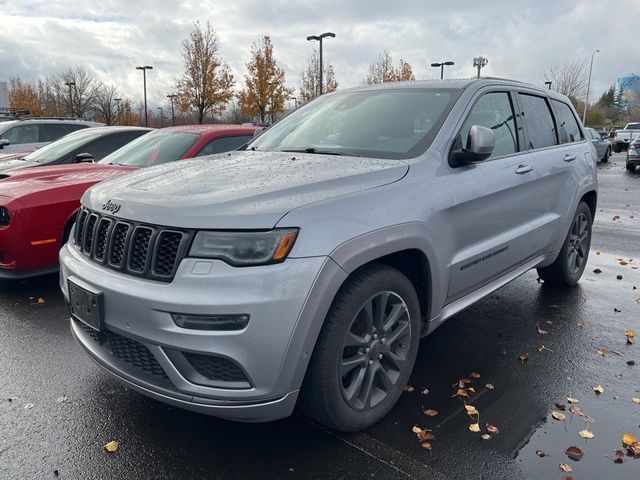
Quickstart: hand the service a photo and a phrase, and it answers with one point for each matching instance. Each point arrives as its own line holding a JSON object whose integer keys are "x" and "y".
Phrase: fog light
{"x": 211, "y": 322}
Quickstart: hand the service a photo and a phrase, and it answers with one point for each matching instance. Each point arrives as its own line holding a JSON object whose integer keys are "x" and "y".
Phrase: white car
{"x": 30, "y": 134}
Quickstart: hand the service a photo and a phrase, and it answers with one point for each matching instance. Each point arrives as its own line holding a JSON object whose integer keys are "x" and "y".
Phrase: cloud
{"x": 111, "y": 37}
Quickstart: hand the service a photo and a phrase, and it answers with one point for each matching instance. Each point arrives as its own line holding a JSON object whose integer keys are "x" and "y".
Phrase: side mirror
{"x": 4, "y": 143}
{"x": 480, "y": 144}
{"x": 84, "y": 158}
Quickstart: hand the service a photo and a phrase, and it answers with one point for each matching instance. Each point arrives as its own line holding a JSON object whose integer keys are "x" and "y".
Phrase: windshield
{"x": 633, "y": 126}
{"x": 390, "y": 123}
{"x": 153, "y": 148}
{"x": 63, "y": 147}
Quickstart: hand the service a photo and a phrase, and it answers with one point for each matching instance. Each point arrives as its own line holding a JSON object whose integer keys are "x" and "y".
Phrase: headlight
{"x": 243, "y": 249}
{"x": 4, "y": 217}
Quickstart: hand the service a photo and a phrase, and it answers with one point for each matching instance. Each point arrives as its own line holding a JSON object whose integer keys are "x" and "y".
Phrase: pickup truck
{"x": 624, "y": 137}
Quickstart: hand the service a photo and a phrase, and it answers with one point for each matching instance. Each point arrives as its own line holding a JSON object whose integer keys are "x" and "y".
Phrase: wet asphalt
{"x": 43, "y": 437}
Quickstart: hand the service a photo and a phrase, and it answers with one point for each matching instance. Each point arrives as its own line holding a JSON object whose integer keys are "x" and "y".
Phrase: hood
{"x": 37, "y": 179}
{"x": 238, "y": 190}
{"x": 15, "y": 162}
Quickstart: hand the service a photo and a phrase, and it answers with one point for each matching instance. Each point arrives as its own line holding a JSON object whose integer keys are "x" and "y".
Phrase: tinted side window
{"x": 104, "y": 146}
{"x": 540, "y": 127}
{"x": 51, "y": 132}
{"x": 224, "y": 144}
{"x": 567, "y": 123}
{"x": 22, "y": 134}
{"x": 494, "y": 111}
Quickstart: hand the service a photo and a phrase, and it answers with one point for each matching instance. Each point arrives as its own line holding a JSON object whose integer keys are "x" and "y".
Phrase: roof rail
{"x": 14, "y": 112}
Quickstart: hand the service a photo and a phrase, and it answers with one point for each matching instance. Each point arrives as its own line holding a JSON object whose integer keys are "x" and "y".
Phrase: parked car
{"x": 633, "y": 155}
{"x": 600, "y": 143}
{"x": 38, "y": 205}
{"x": 306, "y": 268}
{"x": 601, "y": 130}
{"x": 88, "y": 145}
{"x": 34, "y": 133}
{"x": 625, "y": 136}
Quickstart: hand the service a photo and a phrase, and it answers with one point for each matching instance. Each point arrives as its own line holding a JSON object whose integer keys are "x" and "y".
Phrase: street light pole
{"x": 117, "y": 100}
{"x": 70, "y": 84}
{"x": 161, "y": 117}
{"x": 441, "y": 67}
{"x": 586, "y": 100}
{"x": 144, "y": 81}
{"x": 548, "y": 84}
{"x": 319, "y": 39}
{"x": 479, "y": 63}
{"x": 171, "y": 96}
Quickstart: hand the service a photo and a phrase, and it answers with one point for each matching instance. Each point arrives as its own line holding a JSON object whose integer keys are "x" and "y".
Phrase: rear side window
{"x": 493, "y": 110}
{"x": 22, "y": 134}
{"x": 567, "y": 124}
{"x": 52, "y": 132}
{"x": 224, "y": 144}
{"x": 540, "y": 127}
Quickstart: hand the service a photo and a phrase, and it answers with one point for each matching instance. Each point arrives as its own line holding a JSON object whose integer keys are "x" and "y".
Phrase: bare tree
{"x": 310, "y": 78}
{"x": 207, "y": 83}
{"x": 83, "y": 90}
{"x": 383, "y": 71}
{"x": 569, "y": 78}
{"x": 105, "y": 106}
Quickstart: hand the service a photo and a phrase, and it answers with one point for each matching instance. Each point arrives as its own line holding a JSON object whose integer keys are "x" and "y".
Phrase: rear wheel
{"x": 365, "y": 352}
{"x": 617, "y": 148}
{"x": 631, "y": 167}
{"x": 572, "y": 259}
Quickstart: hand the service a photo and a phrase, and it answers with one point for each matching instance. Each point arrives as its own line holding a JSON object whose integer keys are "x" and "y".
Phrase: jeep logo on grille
{"x": 111, "y": 207}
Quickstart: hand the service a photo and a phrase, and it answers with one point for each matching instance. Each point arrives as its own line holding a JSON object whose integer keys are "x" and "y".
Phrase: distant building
{"x": 629, "y": 83}
{"x": 4, "y": 95}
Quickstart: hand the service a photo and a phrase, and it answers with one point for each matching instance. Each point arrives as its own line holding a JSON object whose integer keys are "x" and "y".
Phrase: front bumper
{"x": 145, "y": 349}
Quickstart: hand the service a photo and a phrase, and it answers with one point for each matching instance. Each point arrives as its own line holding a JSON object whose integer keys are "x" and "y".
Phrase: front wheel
{"x": 631, "y": 167}
{"x": 617, "y": 148}
{"x": 365, "y": 352}
{"x": 568, "y": 267}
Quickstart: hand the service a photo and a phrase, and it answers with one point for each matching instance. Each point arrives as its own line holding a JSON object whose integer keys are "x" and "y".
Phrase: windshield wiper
{"x": 320, "y": 152}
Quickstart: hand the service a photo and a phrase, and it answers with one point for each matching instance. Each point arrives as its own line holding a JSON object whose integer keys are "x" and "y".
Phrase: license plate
{"x": 86, "y": 305}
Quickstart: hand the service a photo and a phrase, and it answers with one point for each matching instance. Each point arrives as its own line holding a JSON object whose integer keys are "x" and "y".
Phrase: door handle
{"x": 522, "y": 169}
{"x": 569, "y": 157}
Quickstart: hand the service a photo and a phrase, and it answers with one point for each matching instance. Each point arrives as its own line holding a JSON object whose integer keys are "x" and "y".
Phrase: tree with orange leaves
{"x": 383, "y": 71}
{"x": 265, "y": 93}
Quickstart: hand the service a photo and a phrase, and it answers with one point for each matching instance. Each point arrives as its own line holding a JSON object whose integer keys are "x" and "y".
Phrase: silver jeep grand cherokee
{"x": 305, "y": 269}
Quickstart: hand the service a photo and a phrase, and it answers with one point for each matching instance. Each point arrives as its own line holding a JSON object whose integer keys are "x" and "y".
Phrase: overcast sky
{"x": 521, "y": 38}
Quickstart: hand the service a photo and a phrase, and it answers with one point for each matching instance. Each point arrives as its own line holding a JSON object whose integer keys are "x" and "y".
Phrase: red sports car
{"x": 38, "y": 205}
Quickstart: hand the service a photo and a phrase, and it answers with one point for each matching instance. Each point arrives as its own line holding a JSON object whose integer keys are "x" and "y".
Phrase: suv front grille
{"x": 149, "y": 251}
{"x": 215, "y": 368}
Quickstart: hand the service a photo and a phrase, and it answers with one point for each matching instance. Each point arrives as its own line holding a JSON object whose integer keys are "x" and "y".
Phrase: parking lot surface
{"x": 533, "y": 344}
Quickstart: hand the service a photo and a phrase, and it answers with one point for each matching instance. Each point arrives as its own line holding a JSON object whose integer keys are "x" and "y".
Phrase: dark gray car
{"x": 305, "y": 269}
{"x": 602, "y": 145}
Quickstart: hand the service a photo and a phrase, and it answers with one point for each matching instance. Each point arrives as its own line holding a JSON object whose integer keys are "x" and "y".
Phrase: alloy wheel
{"x": 578, "y": 244}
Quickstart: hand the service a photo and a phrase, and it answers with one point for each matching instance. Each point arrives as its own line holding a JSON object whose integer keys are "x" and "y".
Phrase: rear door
{"x": 497, "y": 219}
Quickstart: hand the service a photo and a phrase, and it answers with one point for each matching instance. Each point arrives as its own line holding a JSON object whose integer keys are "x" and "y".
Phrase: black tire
{"x": 567, "y": 269}
{"x": 617, "y": 148}
{"x": 334, "y": 392}
{"x": 607, "y": 154}
{"x": 631, "y": 167}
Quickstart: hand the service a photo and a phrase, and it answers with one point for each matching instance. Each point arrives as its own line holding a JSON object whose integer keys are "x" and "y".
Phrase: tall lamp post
{"x": 548, "y": 84}
{"x": 171, "y": 96}
{"x": 144, "y": 80}
{"x": 319, "y": 39}
{"x": 70, "y": 85}
{"x": 161, "y": 117}
{"x": 441, "y": 67}
{"x": 479, "y": 63}
{"x": 586, "y": 100}
{"x": 117, "y": 100}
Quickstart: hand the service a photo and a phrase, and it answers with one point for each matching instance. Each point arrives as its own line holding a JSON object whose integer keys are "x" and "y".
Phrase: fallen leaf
{"x": 602, "y": 351}
{"x": 112, "y": 446}
{"x": 430, "y": 413}
{"x": 424, "y": 391}
{"x": 576, "y": 410}
{"x": 560, "y": 405}
{"x": 426, "y": 436}
{"x": 597, "y": 253}
{"x": 558, "y": 415}
{"x": 28, "y": 406}
{"x": 486, "y": 436}
{"x": 622, "y": 262}
{"x": 471, "y": 410}
{"x": 634, "y": 449}
{"x": 572, "y": 400}
{"x": 541, "y": 348}
{"x": 542, "y": 453}
{"x": 426, "y": 446}
{"x": 62, "y": 399}
{"x": 629, "y": 333}
{"x": 631, "y": 362}
{"x": 597, "y": 270}
{"x": 585, "y": 434}
{"x": 471, "y": 389}
{"x": 524, "y": 358}
{"x": 598, "y": 389}
{"x": 630, "y": 341}
{"x": 416, "y": 429}
{"x": 492, "y": 429}
{"x": 619, "y": 456}
{"x": 461, "y": 392}
{"x": 616, "y": 217}
{"x": 565, "y": 468}
{"x": 635, "y": 400}
{"x": 474, "y": 427}
{"x": 489, "y": 386}
{"x": 574, "y": 453}
{"x": 40, "y": 301}
{"x": 581, "y": 324}
{"x": 542, "y": 332}
{"x": 474, "y": 375}
{"x": 408, "y": 388}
